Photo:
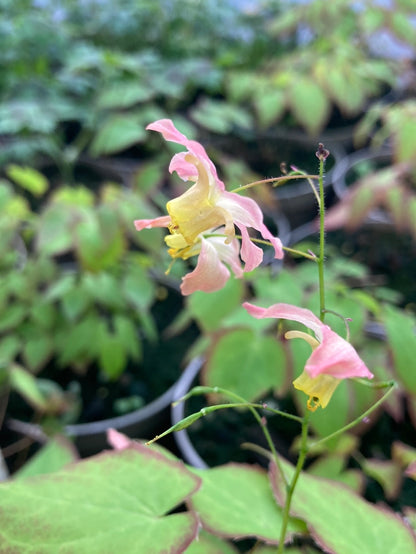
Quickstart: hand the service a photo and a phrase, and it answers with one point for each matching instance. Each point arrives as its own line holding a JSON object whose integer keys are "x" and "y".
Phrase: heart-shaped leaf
{"x": 113, "y": 502}
{"x": 235, "y": 500}
{"x": 340, "y": 520}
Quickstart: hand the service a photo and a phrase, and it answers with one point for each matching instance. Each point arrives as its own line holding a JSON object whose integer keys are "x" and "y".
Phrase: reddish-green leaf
{"x": 113, "y": 502}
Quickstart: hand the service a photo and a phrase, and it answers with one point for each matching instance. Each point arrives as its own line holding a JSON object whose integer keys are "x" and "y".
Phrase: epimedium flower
{"x": 202, "y": 220}
{"x": 332, "y": 358}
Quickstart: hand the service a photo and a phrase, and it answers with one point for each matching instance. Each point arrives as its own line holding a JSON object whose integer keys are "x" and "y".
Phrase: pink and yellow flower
{"x": 332, "y": 358}
{"x": 202, "y": 221}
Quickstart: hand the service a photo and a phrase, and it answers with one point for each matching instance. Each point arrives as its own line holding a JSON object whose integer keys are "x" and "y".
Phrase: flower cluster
{"x": 202, "y": 221}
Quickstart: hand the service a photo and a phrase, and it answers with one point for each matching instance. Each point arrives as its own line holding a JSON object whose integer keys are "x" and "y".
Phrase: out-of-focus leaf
{"x": 25, "y": 384}
{"x": 37, "y": 350}
{"x": 112, "y": 356}
{"x": 56, "y": 454}
{"x": 247, "y": 364}
{"x": 309, "y": 104}
{"x": 400, "y": 329}
{"x": 123, "y": 95}
{"x": 387, "y": 473}
{"x": 117, "y": 133}
{"x": 29, "y": 179}
{"x": 210, "y": 308}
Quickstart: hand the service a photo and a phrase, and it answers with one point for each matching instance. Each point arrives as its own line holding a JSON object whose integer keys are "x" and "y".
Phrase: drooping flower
{"x": 332, "y": 358}
{"x": 202, "y": 221}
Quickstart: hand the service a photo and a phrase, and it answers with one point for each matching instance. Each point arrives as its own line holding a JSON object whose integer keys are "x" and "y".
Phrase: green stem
{"x": 321, "y": 259}
{"x": 291, "y": 488}
{"x": 250, "y": 406}
{"x": 279, "y": 180}
{"x": 357, "y": 420}
{"x": 311, "y": 257}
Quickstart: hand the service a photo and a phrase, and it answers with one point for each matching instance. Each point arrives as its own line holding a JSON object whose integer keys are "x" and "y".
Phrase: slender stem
{"x": 311, "y": 257}
{"x": 291, "y": 488}
{"x": 321, "y": 259}
{"x": 278, "y": 180}
{"x": 357, "y": 420}
{"x": 250, "y": 406}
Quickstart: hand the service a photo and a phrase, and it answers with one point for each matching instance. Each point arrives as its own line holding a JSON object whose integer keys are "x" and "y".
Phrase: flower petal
{"x": 228, "y": 252}
{"x": 320, "y": 389}
{"x": 246, "y": 213}
{"x": 209, "y": 275}
{"x": 163, "y": 221}
{"x": 287, "y": 311}
{"x": 334, "y": 355}
{"x": 170, "y": 133}
{"x": 337, "y": 357}
{"x": 251, "y": 254}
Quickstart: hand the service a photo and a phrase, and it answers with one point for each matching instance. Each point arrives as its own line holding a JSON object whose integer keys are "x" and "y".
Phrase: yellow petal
{"x": 320, "y": 389}
{"x": 196, "y": 211}
{"x": 301, "y": 335}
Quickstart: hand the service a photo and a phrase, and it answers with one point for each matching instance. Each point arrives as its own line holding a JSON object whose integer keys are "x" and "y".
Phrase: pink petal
{"x": 287, "y": 311}
{"x": 117, "y": 440}
{"x": 163, "y": 221}
{"x": 337, "y": 357}
{"x": 228, "y": 253}
{"x": 186, "y": 170}
{"x": 251, "y": 254}
{"x": 209, "y": 274}
{"x": 246, "y": 212}
{"x": 334, "y": 355}
{"x": 170, "y": 133}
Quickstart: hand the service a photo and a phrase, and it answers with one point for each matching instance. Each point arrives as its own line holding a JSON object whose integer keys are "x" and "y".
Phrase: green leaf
{"x": 138, "y": 288}
{"x": 37, "y": 351}
{"x": 104, "y": 288}
{"x": 247, "y": 364}
{"x": 235, "y": 500}
{"x": 309, "y": 104}
{"x": 123, "y": 95}
{"x": 210, "y": 308}
{"x": 128, "y": 334}
{"x": 220, "y": 117}
{"x": 101, "y": 241}
{"x": 269, "y": 105}
{"x": 9, "y": 348}
{"x": 387, "y": 473}
{"x": 26, "y": 385}
{"x": 57, "y": 453}
{"x": 404, "y": 141}
{"x": 78, "y": 343}
{"x": 148, "y": 177}
{"x": 403, "y": 26}
{"x": 400, "y": 329}
{"x": 332, "y": 467}
{"x": 273, "y": 289}
{"x": 75, "y": 302}
{"x": 54, "y": 234}
{"x": 61, "y": 286}
{"x": 112, "y": 356}
{"x": 118, "y": 133}
{"x": 28, "y": 178}
{"x": 113, "y": 502}
{"x": 340, "y": 520}
{"x": 12, "y": 316}
{"x": 210, "y": 544}
{"x": 43, "y": 314}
